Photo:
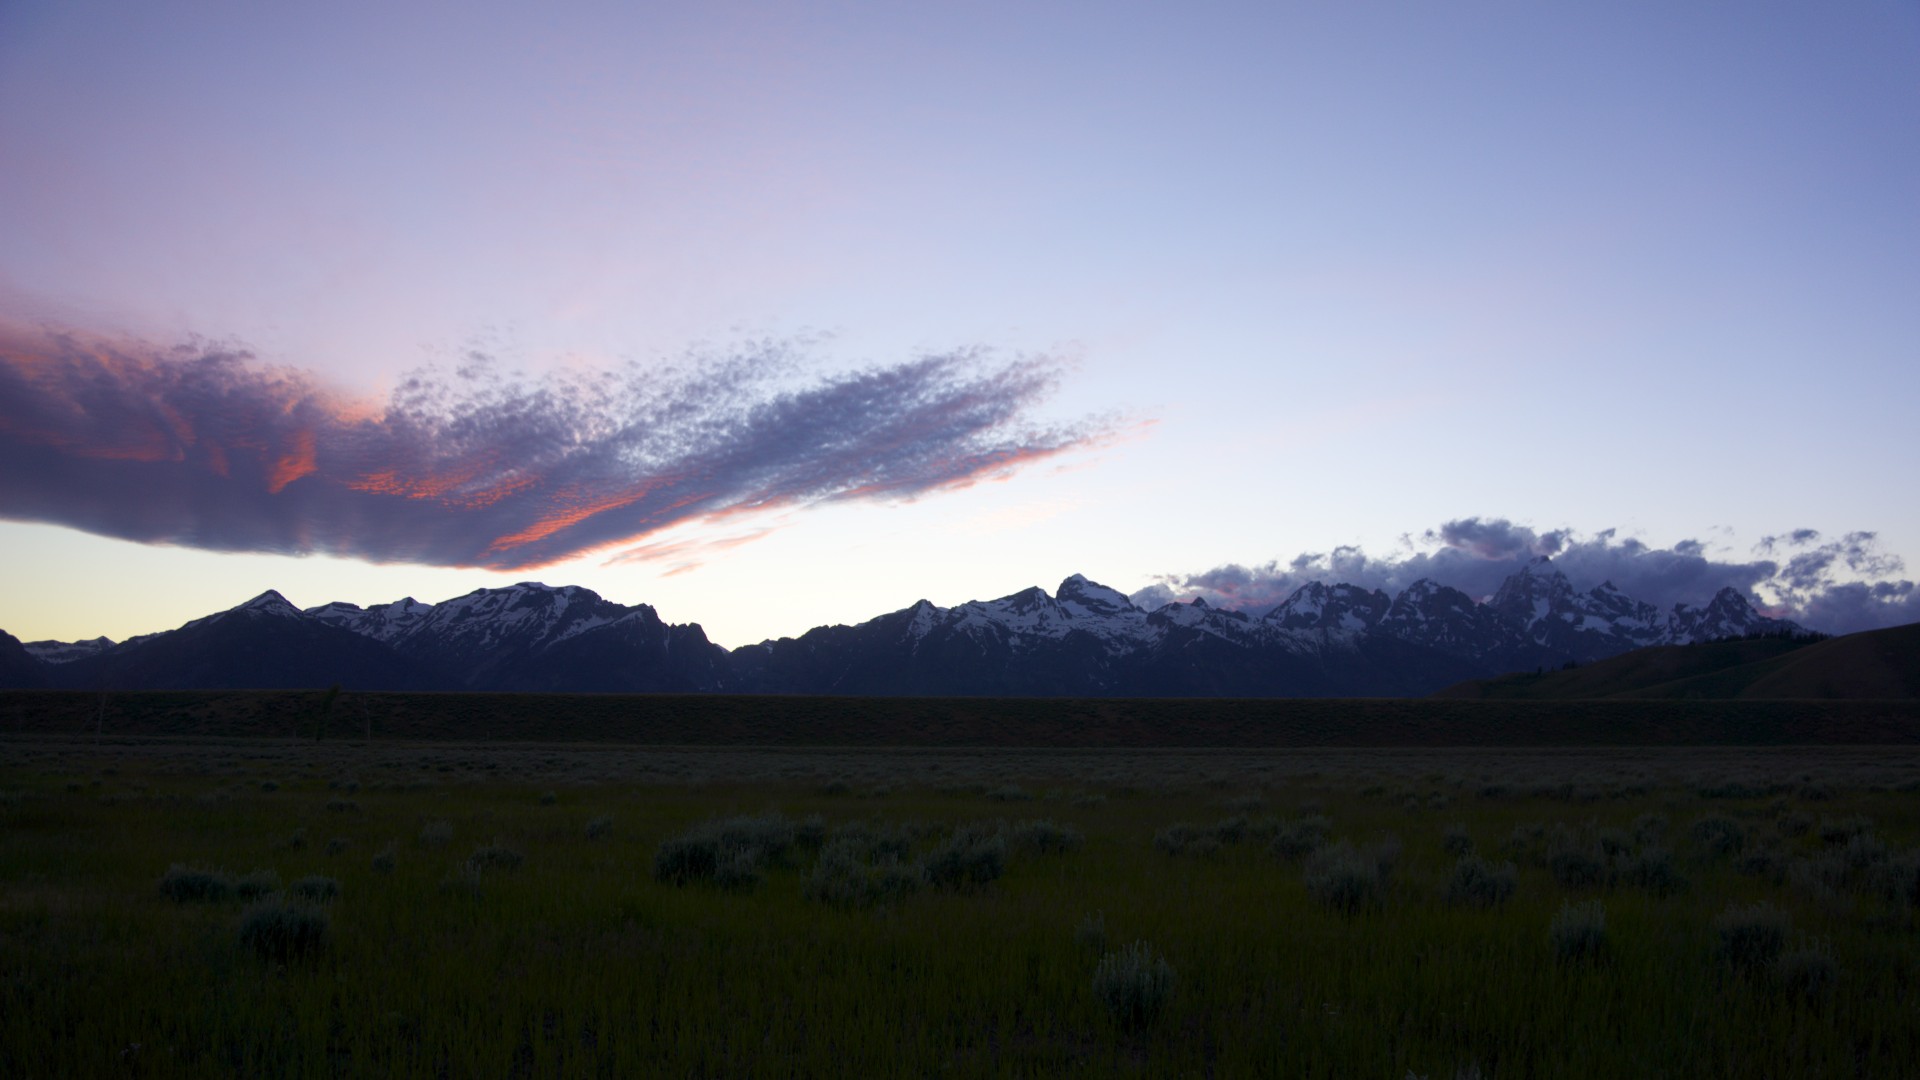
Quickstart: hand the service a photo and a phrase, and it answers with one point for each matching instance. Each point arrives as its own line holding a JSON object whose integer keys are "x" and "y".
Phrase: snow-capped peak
{"x": 1316, "y": 606}
{"x": 1081, "y": 597}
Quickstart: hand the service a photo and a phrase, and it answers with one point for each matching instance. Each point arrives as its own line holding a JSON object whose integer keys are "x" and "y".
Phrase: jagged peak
{"x": 269, "y": 603}
{"x": 1080, "y": 590}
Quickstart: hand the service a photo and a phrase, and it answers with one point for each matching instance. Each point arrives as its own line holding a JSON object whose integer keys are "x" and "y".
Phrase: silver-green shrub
{"x": 1134, "y": 983}
{"x": 1478, "y": 883}
{"x": 849, "y": 873}
{"x": 1579, "y": 931}
{"x": 186, "y": 884}
{"x": 700, "y": 852}
{"x": 1300, "y": 837}
{"x": 1751, "y": 937}
{"x": 282, "y": 931}
{"x": 1718, "y": 835}
{"x": 974, "y": 856}
{"x": 315, "y": 888}
{"x": 1807, "y": 972}
{"x": 1045, "y": 837}
{"x": 1344, "y": 878}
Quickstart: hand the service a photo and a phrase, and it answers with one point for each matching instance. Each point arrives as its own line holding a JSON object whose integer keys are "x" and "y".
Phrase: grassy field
{"x": 574, "y": 910}
{"x": 733, "y": 720}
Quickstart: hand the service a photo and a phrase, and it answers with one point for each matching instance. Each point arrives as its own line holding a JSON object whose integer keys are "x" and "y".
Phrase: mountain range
{"x": 1084, "y": 639}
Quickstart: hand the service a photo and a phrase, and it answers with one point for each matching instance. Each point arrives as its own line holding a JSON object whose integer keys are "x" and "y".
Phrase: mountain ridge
{"x": 1083, "y": 639}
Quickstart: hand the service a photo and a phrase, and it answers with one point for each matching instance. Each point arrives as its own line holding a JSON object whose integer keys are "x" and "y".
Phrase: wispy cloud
{"x": 1838, "y": 585}
{"x": 201, "y": 445}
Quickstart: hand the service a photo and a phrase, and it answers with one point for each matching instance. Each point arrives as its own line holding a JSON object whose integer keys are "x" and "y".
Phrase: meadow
{"x": 256, "y": 907}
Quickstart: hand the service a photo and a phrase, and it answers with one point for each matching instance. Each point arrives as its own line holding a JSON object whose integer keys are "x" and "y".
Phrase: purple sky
{"x": 779, "y": 315}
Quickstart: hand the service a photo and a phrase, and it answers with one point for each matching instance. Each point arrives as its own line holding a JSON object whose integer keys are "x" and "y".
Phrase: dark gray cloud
{"x": 202, "y": 446}
{"x": 1837, "y": 585}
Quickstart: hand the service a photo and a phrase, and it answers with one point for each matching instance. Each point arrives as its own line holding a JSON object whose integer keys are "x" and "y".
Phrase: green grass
{"x": 577, "y": 959}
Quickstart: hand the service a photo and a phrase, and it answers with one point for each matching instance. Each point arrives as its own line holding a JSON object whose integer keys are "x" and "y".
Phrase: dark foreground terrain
{"x": 261, "y": 906}
{"x": 734, "y": 720}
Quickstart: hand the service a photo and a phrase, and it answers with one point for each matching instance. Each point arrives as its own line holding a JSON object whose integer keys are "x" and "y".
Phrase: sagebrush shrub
{"x": 739, "y": 872}
{"x": 1806, "y": 972}
{"x": 1045, "y": 837}
{"x": 1478, "y": 883}
{"x": 1457, "y": 841}
{"x": 699, "y": 853}
{"x": 495, "y": 856}
{"x": 1899, "y": 878}
{"x": 1575, "y": 865}
{"x": 599, "y": 828}
{"x": 1579, "y": 931}
{"x": 338, "y": 844}
{"x": 1863, "y": 852}
{"x": 188, "y": 884}
{"x": 1298, "y": 838}
{"x": 974, "y": 856}
{"x": 849, "y": 874}
{"x": 1229, "y": 830}
{"x": 1344, "y": 878}
{"x": 315, "y": 888}
{"x": 811, "y": 832}
{"x": 1769, "y": 863}
{"x": 1750, "y": 937}
{"x": 1835, "y": 831}
{"x": 256, "y": 885}
{"x": 1649, "y": 828}
{"x": 383, "y": 860}
{"x": 875, "y": 840}
{"x": 1134, "y": 984}
{"x": 1527, "y": 843}
{"x": 1091, "y": 934}
{"x": 282, "y": 931}
{"x": 1792, "y": 824}
{"x": 1177, "y": 839}
{"x": 548, "y": 798}
{"x": 436, "y": 834}
{"x": 1652, "y": 869}
{"x": 1718, "y": 835}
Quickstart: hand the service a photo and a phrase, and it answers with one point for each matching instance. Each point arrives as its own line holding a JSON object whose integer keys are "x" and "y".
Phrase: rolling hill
{"x": 1876, "y": 664}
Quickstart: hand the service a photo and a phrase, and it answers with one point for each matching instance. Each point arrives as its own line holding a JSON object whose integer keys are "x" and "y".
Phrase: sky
{"x": 780, "y": 315}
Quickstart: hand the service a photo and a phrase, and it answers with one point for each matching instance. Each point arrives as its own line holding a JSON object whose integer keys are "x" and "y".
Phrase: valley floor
{"x": 577, "y": 909}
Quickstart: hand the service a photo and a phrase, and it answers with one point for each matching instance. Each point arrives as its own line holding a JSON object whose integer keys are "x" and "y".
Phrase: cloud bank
{"x": 1838, "y": 585}
{"x": 203, "y": 446}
